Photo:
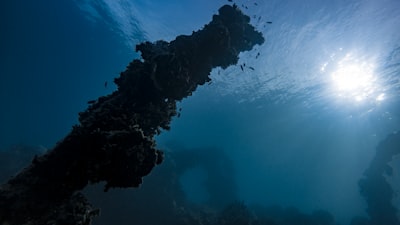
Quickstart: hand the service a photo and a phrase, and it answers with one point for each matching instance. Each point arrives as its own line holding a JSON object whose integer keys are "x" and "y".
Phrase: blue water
{"x": 296, "y": 135}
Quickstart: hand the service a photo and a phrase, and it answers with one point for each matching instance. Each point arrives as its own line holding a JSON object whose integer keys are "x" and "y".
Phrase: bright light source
{"x": 352, "y": 78}
{"x": 355, "y": 80}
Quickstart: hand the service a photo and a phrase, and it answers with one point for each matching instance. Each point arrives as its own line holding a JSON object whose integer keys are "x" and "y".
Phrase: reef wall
{"x": 114, "y": 141}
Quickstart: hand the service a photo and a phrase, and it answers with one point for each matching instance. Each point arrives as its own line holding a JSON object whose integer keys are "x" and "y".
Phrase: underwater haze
{"x": 295, "y": 124}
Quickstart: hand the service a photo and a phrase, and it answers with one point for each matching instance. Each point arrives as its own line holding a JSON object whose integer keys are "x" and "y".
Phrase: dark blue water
{"x": 53, "y": 61}
{"x": 295, "y": 135}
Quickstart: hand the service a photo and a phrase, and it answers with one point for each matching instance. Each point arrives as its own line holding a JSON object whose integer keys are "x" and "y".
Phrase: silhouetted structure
{"x": 161, "y": 195}
{"x": 163, "y": 187}
{"x": 376, "y": 190}
{"x": 114, "y": 139}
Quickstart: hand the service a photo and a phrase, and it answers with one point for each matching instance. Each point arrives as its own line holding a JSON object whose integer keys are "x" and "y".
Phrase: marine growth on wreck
{"x": 114, "y": 140}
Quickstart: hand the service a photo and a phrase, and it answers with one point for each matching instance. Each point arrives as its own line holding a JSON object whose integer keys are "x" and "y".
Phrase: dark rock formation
{"x": 114, "y": 140}
{"x": 376, "y": 190}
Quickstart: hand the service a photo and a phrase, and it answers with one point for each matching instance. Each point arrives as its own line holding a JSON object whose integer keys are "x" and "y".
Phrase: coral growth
{"x": 114, "y": 140}
{"x": 374, "y": 187}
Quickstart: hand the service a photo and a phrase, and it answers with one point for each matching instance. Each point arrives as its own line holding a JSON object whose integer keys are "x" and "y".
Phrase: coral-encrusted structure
{"x": 374, "y": 187}
{"x": 114, "y": 140}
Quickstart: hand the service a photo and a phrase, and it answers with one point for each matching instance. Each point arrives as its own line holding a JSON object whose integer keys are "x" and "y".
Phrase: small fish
{"x": 252, "y": 68}
{"x": 258, "y": 54}
{"x": 269, "y": 22}
{"x": 255, "y": 3}
{"x": 241, "y": 67}
{"x": 105, "y": 84}
{"x": 229, "y": 0}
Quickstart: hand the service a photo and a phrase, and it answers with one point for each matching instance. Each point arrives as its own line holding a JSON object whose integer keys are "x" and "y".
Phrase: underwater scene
{"x": 200, "y": 112}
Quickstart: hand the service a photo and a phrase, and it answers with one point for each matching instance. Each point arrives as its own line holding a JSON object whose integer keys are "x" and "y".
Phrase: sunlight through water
{"x": 355, "y": 80}
{"x": 301, "y": 112}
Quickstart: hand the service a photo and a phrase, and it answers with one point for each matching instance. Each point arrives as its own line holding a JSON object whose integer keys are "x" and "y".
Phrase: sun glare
{"x": 355, "y": 80}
